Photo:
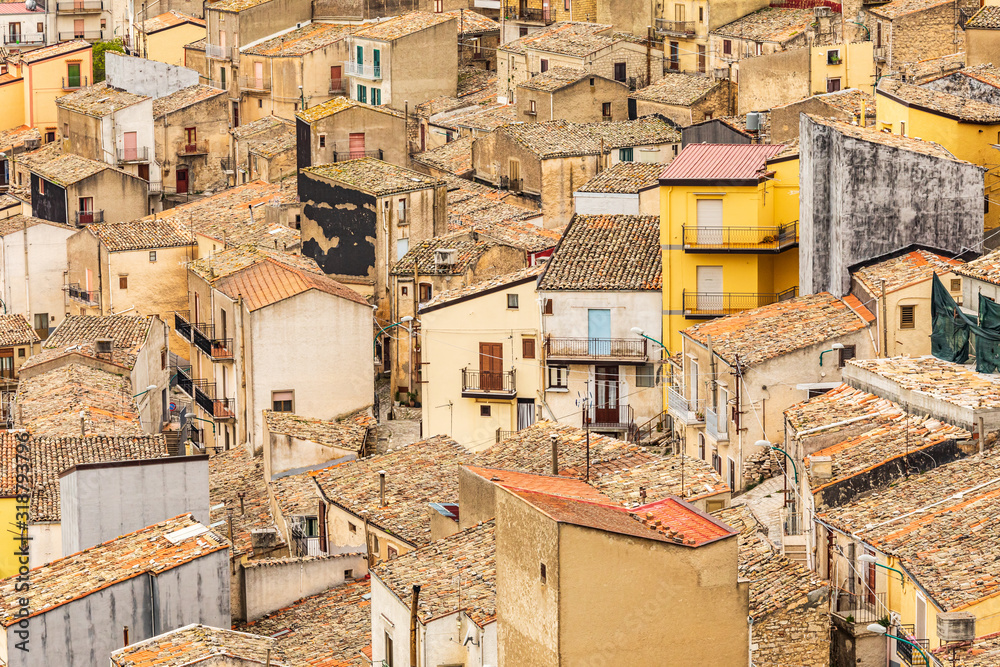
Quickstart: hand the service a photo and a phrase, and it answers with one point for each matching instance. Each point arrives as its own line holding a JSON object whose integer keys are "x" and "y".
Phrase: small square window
{"x": 606, "y": 109}
{"x": 20, "y": 351}
{"x": 645, "y": 375}
{"x": 425, "y": 292}
{"x": 485, "y": 410}
{"x": 512, "y": 301}
{"x": 848, "y": 352}
{"x": 546, "y": 306}
{"x": 152, "y": 255}
{"x": 404, "y": 290}
{"x": 352, "y": 527}
{"x": 122, "y": 282}
{"x": 558, "y": 377}
{"x": 528, "y": 348}
{"x": 282, "y": 401}
{"x": 391, "y": 552}
{"x": 906, "y": 317}
{"x": 348, "y": 574}
{"x": 260, "y": 104}
{"x": 956, "y": 284}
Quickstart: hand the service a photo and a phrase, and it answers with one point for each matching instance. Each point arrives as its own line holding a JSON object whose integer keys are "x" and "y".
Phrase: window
{"x": 283, "y": 401}
{"x": 512, "y": 301}
{"x": 645, "y": 375}
{"x": 20, "y": 351}
{"x": 40, "y": 27}
{"x": 312, "y": 526}
{"x": 593, "y": 83}
{"x": 73, "y": 75}
{"x": 531, "y": 107}
{"x": 701, "y": 14}
{"x": 541, "y": 573}
{"x": 558, "y": 377}
{"x": 404, "y": 290}
{"x": 426, "y": 292}
{"x": 906, "y": 319}
{"x": 438, "y": 6}
{"x": 42, "y": 325}
{"x": 813, "y": 393}
{"x": 348, "y": 574}
{"x": 902, "y": 128}
{"x": 675, "y": 57}
{"x": 402, "y": 245}
{"x": 377, "y": 96}
{"x": 41, "y": 186}
{"x": 678, "y": 12}
{"x": 362, "y": 94}
{"x": 701, "y": 446}
{"x": 727, "y": 47}
{"x": 543, "y": 65}
{"x": 625, "y": 154}
{"x": 104, "y": 24}
{"x": 401, "y": 211}
{"x": 848, "y": 352}
{"x": 388, "y": 650}
{"x": 546, "y": 306}
{"x": 352, "y": 527}
{"x": 621, "y": 72}
{"x": 833, "y": 57}
{"x": 485, "y": 410}
{"x": 65, "y": 130}
{"x": 260, "y": 104}
{"x": 701, "y": 58}
{"x": 322, "y": 141}
{"x": 122, "y": 282}
{"x": 152, "y": 255}
{"x": 956, "y": 284}
{"x": 527, "y": 348}
{"x": 391, "y": 552}
{"x": 606, "y": 110}
{"x": 567, "y": 4}
{"x": 222, "y": 76}
{"x": 833, "y": 84}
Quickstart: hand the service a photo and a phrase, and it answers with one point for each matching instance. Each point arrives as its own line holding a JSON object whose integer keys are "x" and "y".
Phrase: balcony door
{"x": 357, "y": 145}
{"x": 130, "y": 143}
{"x": 710, "y": 288}
{"x": 15, "y": 33}
{"x": 491, "y": 366}
{"x": 86, "y": 210}
{"x": 78, "y": 29}
{"x": 336, "y": 77}
{"x": 709, "y": 222}
{"x": 606, "y": 394}
{"x": 598, "y": 331}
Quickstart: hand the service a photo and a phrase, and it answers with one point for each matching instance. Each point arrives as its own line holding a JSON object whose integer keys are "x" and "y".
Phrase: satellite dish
{"x": 31, "y": 5}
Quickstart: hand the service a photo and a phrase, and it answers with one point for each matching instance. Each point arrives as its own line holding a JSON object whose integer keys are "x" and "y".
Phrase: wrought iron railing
{"x": 344, "y": 156}
{"x": 717, "y": 304}
{"x": 792, "y": 521}
{"x": 74, "y": 82}
{"x": 661, "y": 423}
{"x": 503, "y": 435}
{"x": 338, "y": 86}
{"x": 255, "y": 83}
{"x": 863, "y": 608}
{"x": 906, "y": 652}
{"x": 739, "y": 239}
{"x": 218, "y": 52}
{"x": 182, "y": 326}
{"x": 488, "y": 382}
{"x": 675, "y": 27}
{"x": 612, "y": 415}
{"x": 222, "y": 349}
{"x": 24, "y": 39}
{"x": 89, "y": 35}
{"x": 80, "y": 7}
{"x": 89, "y": 297}
{"x": 362, "y": 70}
{"x": 543, "y": 15}
{"x": 632, "y": 349}
{"x": 197, "y": 148}
{"x": 89, "y": 217}
{"x": 137, "y": 154}
{"x": 512, "y": 184}
{"x": 203, "y": 393}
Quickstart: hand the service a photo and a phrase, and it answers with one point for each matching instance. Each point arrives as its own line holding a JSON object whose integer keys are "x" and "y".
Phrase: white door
{"x": 709, "y": 222}
{"x": 710, "y": 289}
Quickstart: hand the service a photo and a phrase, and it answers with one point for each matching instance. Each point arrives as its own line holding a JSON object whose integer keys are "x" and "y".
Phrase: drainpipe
{"x": 27, "y": 279}
{"x": 413, "y": 625}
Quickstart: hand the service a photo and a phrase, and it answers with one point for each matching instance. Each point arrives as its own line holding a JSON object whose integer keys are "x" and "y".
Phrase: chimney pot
{"x": 381, "y": 488}
{"x": 555, "y": 453}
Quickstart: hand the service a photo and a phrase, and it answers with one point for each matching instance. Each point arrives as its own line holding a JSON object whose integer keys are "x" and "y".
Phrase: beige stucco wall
{"x": 83, "y": 132}
{"x": 981, "y": 47}
{"x": 414, "y": 77}
{"x": 167, "y": 46}
{"x": 579, "y": 102}
{"x": 383, "y": 131}
{"x": 210, "y": 117}
{"x": 122, "y": 197}
{"x": 773, "y": 79}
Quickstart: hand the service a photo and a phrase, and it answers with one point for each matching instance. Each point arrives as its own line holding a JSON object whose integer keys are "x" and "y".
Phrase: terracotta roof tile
{"x": 625, "y": 178}
{"x": 914, "y": 267}
{"x": 985, "y": 268}
{"x": 295, "y": 495}
{"x": 18, "y": 223}
{"x": 771, "y": 24}
{"x": 555, "y": 78}
{"x": 841, "y": 404}
{"x": 263, "y": 125}
{"x": 506, "y": 224}
{"x": 483, "y": 286}
{"x": 485, "y": 118}
{"x": 142, "y": 234}
{"x": 52, "y": 164}
{"x": 59, "y": 49}
{"x": 897, "y": 8}
{"x": 454, "y": 156}
{"x": 80, "y": 332}
{"x": 554, "y": 485}
{"x": 16, "y": 136}
{"x": 871, "y": 135}
{"x": 99, "y": 100}
{"x": 678, "y": 89}
{"x": 397, "y": 27}
{"x": 300, "y": 41}
{"x": 195, "y": 643}
{"x": 421, "y": 257}
{"x": 650, "y": 481}
{"x": 348, "y": 433}
{"x": 375, "y": 176}
{"x": 568, "y": 38}
{"x": 15, "y": 330}
{"x": 987, "y": 18}
{"x": 269, "y": 281}
{"x": 469, "y": 22}
{"x": 943, "y": 380}
{"x": 682, "y": 522}
{"x": 168, "y": 19}
{"x": 560, "y": 138}
{"x": 272, "y": 147}
{"x": 184, "y": 98}
{"x": 231, "y": 474}
{"x": 962, "y": 108}
{"x": 335, "y": 106}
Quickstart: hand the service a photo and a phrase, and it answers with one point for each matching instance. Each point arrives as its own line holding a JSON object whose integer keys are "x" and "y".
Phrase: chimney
{"x": 822, "y": 466}
{"x": 381, "y": 488}
{"x": 642, "y": 495}
{"x": 555, "y": 454}
{"x": 241, "y": 495}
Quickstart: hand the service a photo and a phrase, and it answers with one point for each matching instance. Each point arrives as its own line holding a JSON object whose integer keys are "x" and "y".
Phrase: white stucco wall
{"x": 46, "y": 543}
{"x": 275, "y": 584}
{"x": 601, "y": 203}
{"x": 47, "y": 267}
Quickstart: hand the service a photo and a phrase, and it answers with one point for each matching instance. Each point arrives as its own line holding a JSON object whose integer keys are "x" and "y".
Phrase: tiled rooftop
{"x": 555, "y": 485}
{"x": 987, "y": 18}
{"x": 851, "y": 100}
{"x": 943, "y": 380}
{"x": 606, "y": 252}
{"x": 184, "y": 98}
{"x": 59, "y": 49}
{"x": 475, "y": 85}
{"x": 168, "y": 19}
{"x": 682, "y": 522}
{"x": 555, "y": 78}
{"x": 981, "y": 652}
{"x": 15, "y": 330}
{"x": 507, "y": 224}
{"x": 771, "y": 24}
{"x": 908, "y": 269}
{"x": 625, "y": 178}
{"x": 940, "y": 524}
{"x": 80, "y": 332}
{"x": 335, "y": 106}
{"x": 900, "y": 436}
{"x": 560, "y": 138}
{"x": 455, "y": 156}
{"x": 485, "y": 118}
{"x": 50, "y": 403}
{"x": 897, "y": 8}
{"x": 146, "y": 551}
{"x": 469, "y": 22}
{"x": 841, "y": 404}
{"x": 374, "y": 176}
{"x": 16, "y": 136}
{"x": 273, "y": 146}
{"x": 234, "y": 5}
{"x": 296, "y": 495}
{"x": 396, "y": 27}
{"x": 659, "y": 478}
{"x": 262, "y": 125}
{"x": 142, "y": 234}
{"x": 457, "y": 573}
{"x": 269, "y": 281}
{"x": 61, "y": 168}
{"x": 231, "y": 474}
{"x": 18, "y": 223}
{"x": 236, "y": 258}
{"x": 933, "y": 68}
{"x": 424, "y": 472}
{"x": 300, "y": 41}
{"x": 483, "y": 286}
{"x": 329, "y": 629}
{"x": 953, "y": 106}
{"x": 348, "y": 433}
{"x": 871, "y": 135}
{"x": 771, "y": 331}
{"x": 576, "y": 39}
{"x": 420, "y": 257}
{"x": 193, "y": 644}
{"x": 99, "y": 100}
{"x": 776, "y": 583}
{"x": 985, "y": 268}
{"x": 677, "y": 88}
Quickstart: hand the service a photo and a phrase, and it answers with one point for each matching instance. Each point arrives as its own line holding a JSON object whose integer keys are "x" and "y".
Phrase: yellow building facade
{"x": 34, "y": 81}
{"x": 728, "y": 231}
{"x": 163, "y": 37}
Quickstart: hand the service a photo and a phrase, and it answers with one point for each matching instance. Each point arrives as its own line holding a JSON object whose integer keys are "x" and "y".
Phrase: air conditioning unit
{"x": 104, "y": 346}
{"x": 956, "y": 626}
{"x": 446, "y": 257}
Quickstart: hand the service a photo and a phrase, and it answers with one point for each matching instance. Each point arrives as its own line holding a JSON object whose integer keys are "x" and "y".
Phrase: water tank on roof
{"x": 956, "y": 626}
{"x": 754, "y": 120}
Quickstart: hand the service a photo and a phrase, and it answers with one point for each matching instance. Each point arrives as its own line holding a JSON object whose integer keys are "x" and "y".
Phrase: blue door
{"x": 599, "y": 331}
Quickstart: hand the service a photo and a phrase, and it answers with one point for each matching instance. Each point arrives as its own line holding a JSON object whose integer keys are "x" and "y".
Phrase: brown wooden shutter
{"x": 322, "y": 526}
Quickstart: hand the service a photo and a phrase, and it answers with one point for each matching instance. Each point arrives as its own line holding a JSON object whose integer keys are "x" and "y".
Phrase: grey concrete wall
{"x": 99, "y": 502}
{"x": 147, "y": 77}
{"x": 772, "y": 80}
{"x": 195, "y": 592}
{"x": 476, "y": 498}
{"x": 965, "y": 86}
{"x": 275, "y": 584}
{"x": 850, "y": 212}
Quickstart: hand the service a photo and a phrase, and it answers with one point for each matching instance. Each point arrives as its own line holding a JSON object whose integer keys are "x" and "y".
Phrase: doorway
{"x": 182, "y": 180}
{"x": 491, "y": 366}
{"x": 606, "y": 394}
{"x": 525, "y": 413}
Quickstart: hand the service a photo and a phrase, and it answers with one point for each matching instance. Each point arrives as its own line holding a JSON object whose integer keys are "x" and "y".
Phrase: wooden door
{"x": 336, "y": 78}
{"x": 357, "y": 145}
{"x": 130, "y": 144}
{"x": 258, "y": 76}
{"x": 606, "y": 394}
{"x": 491, "y": 366}
{"x": 182, "y": 180}
{"x": 870, "y": 581}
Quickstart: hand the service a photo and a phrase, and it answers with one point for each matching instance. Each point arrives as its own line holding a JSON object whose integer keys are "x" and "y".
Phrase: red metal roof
{"x": 720, "y": 162}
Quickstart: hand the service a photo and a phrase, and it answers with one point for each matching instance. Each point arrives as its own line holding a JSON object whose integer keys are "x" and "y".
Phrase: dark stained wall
{"x": 965, "y": 86}
{"x": 712, "y": 132}
{"x": 51, "y": 205}
{"x": 303, "y": 144}
{"x": 366, "y": 9}
{"x": 338, "y": 227}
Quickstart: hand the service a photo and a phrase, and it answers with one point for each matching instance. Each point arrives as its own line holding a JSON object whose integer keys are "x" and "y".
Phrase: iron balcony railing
{"x": 687, "y": 410}
{"x": 344, "y": 156}
{"x": 652, "y": 428}
{"x": 203, "y": 337}
{"x": 718, "y": 430}
{"x": 740, "y": 239}
{"x": 203, "y": 393}
{"x": 89, "y": 35}
{"x": 91, "y": 298}
{"x": 611, "y": 416}
{"x": 717, "y": 304}
{"x": 864, "y": 607}
{"x": 512, "y": 184}
{"x": 89, "y": 217}
{"x": 338, "y": 86}
{"x": 677, "y": 403}
{"x": 622, "y": 349}
{"x": 74, "y": 82}
{"x": 24, "y": 39}
{"x": 536, "y": 15}
{"x": 255, "y": 83}
{"x": 80, "y": 7}
{"x": 909, "y": 655}
{"x": 197, "y": 148}
{"x": 792, "y": 522}
{"x": 137, "y": 154}
{"x": 218, "y": 52}
{"x": 182, "y": 326}
{"x": 488, "y": 383}
{"x": 364, "y": 71}
{"x": 226, "y": 164}
{"x": 681, "y": 28}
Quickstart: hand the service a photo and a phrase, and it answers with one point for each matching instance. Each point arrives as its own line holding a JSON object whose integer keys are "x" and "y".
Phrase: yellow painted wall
{"x": 856, "y": 68}
{"x": 12, "y": 102}
{"x": 167, "y": 46}
{"x": 966, "y": 141}
{"x": 43, "y": 84}
{"x": 8, "y": 560}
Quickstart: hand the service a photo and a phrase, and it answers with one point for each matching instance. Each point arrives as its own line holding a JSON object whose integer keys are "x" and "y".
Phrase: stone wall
{"x": 797, "y": 637}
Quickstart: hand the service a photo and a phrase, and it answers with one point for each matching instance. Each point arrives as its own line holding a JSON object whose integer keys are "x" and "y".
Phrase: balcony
{"x": 80, "y": 7}
{"x": 203, "y": 393}
{"x": 590, "y": 350}
{"x": 218, "y": 52}
{"x": 675, "y": 28}
{"x": 879, "y": 53}
{"x": 89, "y": 298}
{"x": 254, "y": 83}
{"x": 89, "y": 217}
{"x": 535, "y": 15}
{"x": 344, "y": 156}
{"x": 24, "y": 39}
{"x": 687, "y": 411}
{"x": 718, "y": 431}
{"x": 616, "y": 417}
{"x": 197, "y": 148}
{"x": 74, "y": 82}
{"x": 488, "y": 384}
{"x": 89, "y": 35}
{"x": 203, "y": 337}
{"x": 511, "y": 184}
{"x": 373, "y": 72}
{"x": 156, "y": 187}
{"x": 338, "y": 86}
{"x": 704, "y": 305}
{"x": 767, "y": 240}
{"x": 131, "y": 155}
